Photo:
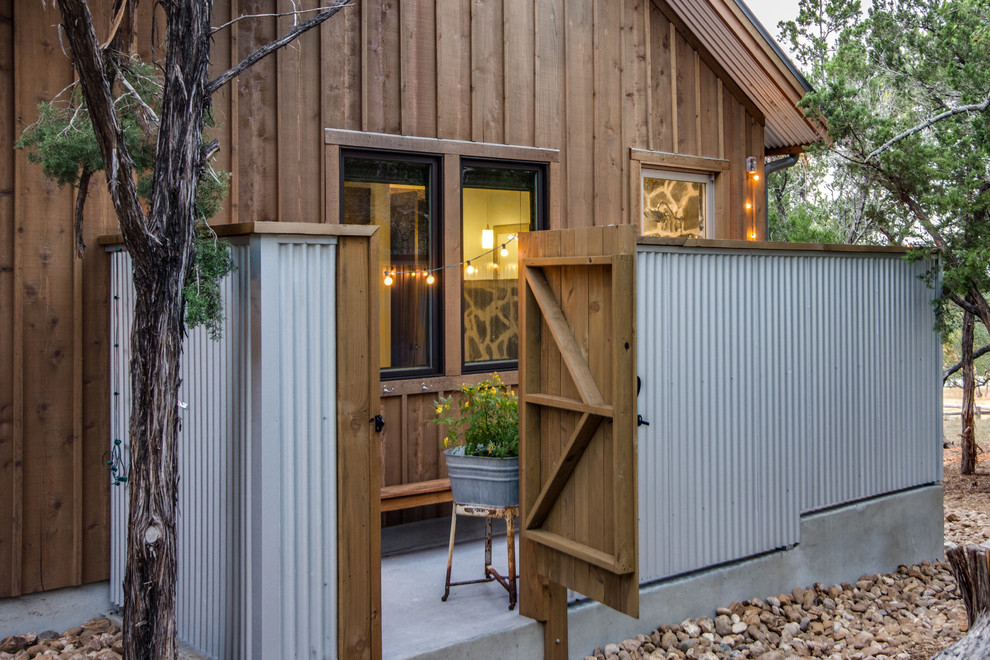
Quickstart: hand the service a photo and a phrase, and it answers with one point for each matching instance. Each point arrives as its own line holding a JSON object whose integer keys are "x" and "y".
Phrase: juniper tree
{"x": 905, "y": 92}
{"x": 160, "y": 241}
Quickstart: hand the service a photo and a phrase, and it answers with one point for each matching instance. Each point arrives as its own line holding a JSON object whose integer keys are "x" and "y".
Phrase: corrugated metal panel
{"x": 775, "y": 384}
{"x": 225, "y": 460}
{"x": 121, "y": 308}
{"x": 294, "y": 450}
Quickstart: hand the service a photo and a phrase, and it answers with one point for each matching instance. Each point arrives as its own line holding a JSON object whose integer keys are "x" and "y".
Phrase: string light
{"x": 389, "y": 274}
{"x": 748, "y": 206}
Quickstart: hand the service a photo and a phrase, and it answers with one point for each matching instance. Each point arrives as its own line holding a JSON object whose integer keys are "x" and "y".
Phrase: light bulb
{"x": 487, "y": 239}
{"x": 756, "y": 177}
{"x": 388, "y": 280}
{"x": 748, "y": 206}
{"x": 752, "y": 235}
{"x": 430, "y": 279}
{"x": 504, "y": 251}
{"x": 470, "y": 268}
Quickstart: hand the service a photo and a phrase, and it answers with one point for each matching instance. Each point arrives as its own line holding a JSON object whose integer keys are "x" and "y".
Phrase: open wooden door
{"x": 577, "y": 380}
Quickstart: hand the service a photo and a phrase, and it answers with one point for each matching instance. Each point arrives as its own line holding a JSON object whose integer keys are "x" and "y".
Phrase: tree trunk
{"x": 149, "y": 581}
{"x": 159, "y": 273}
{"x": 968, "y": 438}
{"x": 971, "y": 566}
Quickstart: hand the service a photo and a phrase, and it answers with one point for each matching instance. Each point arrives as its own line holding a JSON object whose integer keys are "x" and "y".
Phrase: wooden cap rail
{"x": 406, "y": 496}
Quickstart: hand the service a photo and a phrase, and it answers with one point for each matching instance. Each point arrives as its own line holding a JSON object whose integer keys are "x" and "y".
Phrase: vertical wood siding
{"x": 590, "y": 78}
{"x": 53, "y": 352}
{"x": 829, "y": 393}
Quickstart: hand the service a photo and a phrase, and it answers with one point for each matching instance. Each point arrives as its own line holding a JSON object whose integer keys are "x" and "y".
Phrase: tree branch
{"x": 974, "y": 107}
{"x": 272, "y": 46}
{"x": 959, "y": 365}
{"x": 78, "y": 25}
{"x": 81, "y": 194}
{"x": 277, "y": 15}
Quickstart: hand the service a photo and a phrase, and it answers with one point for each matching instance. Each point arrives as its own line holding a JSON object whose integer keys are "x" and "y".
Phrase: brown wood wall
{"x": 53, "y": 343}
{"x": 590, "y": 78}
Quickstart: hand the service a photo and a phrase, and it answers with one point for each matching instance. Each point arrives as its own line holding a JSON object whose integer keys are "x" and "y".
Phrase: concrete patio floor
{"x": 417, "y": 624}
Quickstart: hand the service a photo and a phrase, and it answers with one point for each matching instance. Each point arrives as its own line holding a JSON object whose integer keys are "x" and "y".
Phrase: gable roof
{"x": 744, "y": 49}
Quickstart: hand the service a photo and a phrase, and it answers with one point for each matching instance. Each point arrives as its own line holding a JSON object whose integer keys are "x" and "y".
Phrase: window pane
{"x": 497, "y": 205}
{"x": 673, "y": 208}
{"x": 397, "y": 197}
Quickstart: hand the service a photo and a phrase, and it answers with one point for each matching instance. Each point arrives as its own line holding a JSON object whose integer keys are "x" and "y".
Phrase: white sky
{"x": 771, "y": 12}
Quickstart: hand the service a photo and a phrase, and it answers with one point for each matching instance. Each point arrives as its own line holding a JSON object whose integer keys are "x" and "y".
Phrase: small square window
{"x": 677, "y": 204}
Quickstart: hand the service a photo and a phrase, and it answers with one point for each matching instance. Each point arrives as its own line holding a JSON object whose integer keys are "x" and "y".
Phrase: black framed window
{"x": 399, "y": 194}
{"x": 499, "y": 201}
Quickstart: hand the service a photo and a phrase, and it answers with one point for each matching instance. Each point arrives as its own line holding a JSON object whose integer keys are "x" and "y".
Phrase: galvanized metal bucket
{"x": 482, "y": 480}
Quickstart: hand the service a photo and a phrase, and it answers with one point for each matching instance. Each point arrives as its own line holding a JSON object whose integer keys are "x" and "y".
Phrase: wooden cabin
{"x": 453, "y": 126}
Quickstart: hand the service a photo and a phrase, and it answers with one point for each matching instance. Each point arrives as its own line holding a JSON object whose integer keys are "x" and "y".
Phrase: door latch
{"x": 379, "y": 423}
{"x": 640, "y": 421}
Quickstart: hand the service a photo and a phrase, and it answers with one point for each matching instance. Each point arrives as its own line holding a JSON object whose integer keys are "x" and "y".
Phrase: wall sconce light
{"x": 487, "y": 238}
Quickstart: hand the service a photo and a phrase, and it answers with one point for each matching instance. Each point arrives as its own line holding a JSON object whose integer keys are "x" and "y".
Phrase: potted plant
{"x": 481, "y": 442}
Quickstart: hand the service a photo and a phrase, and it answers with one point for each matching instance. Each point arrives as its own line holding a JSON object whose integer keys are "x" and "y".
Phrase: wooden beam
{"x": 665, "y": 159}
{"x": 563, "y": 403}
{"x": 569, "y": 350}
{"x": 543, "y": 262}
{"x": 576, "y": 549}
{"x": 563, "y": 469}
{"x": 372, "y": 140}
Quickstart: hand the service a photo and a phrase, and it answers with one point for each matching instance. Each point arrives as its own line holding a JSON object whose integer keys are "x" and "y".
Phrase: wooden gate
{"x": 577, "y": 380}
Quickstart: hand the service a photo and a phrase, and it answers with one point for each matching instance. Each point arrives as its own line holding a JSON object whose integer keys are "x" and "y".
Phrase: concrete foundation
{"x": 837, "y": 545}
{"x": 56, "y": 610}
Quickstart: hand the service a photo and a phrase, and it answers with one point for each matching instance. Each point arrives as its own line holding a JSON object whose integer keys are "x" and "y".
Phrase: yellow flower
{"x": 439, "y": 409}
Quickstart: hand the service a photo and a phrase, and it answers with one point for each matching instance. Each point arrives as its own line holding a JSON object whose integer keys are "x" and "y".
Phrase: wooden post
{"x": 555, "y": 625}
{"x": 359, "y": 534}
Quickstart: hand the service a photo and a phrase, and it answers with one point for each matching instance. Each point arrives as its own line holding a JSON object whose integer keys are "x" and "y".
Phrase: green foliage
{"x": 63, "y": 143}
{"x": 62, "y": 140}
{"x": 211, "y": 264}
{"x": 484, "y": 417}
{"x": 888, "y": 73}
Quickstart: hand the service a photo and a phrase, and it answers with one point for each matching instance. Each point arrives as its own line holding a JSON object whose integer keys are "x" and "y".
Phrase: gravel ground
{"x": 908, "y": 615}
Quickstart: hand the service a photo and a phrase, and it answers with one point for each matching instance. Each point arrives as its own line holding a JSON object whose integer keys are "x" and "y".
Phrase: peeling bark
{"x": 161, "y": 249}
{"x": 971, "y": 566}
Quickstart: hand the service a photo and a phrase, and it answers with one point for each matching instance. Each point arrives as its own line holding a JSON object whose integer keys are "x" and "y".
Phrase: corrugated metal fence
{"x": 776, "y": 383}
{"x": 257, "y": 456}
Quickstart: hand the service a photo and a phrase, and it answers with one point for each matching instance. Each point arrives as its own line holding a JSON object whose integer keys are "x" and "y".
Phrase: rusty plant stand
{"x": 489, "y": 513}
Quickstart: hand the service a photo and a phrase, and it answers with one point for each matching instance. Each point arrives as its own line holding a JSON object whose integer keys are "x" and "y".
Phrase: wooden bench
{"x": 421, "y": 493}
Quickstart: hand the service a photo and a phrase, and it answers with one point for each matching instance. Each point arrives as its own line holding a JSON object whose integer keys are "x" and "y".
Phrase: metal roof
{"x": 749, "y": 55}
